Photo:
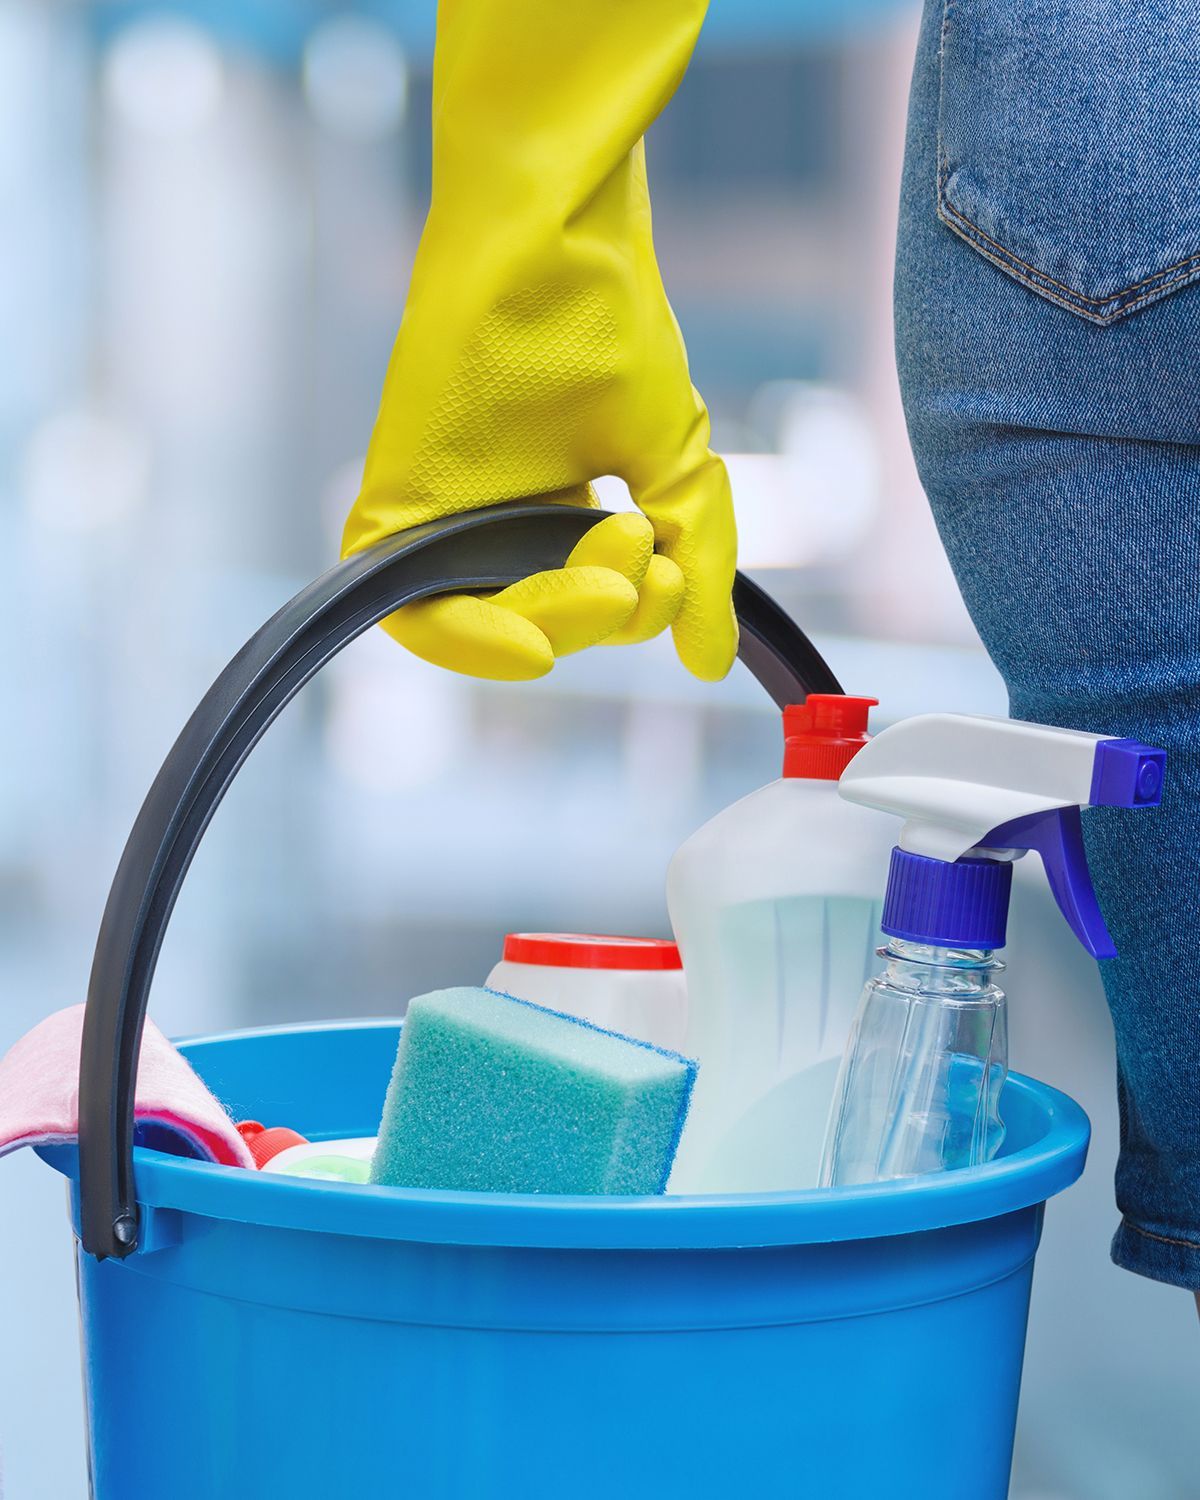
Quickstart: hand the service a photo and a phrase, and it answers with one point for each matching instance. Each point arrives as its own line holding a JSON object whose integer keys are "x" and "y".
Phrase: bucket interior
{"x": 329, "y": 1081}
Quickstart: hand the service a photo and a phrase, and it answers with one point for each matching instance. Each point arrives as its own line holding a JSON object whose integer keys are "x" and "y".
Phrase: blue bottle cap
{"x": 959, "y": 905}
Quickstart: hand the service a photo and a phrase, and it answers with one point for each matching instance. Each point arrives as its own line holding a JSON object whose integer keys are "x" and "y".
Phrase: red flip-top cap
{"x": 822, "y": 735}
{"x": 590, "y": 950}
{"x": 264, "y": 1144}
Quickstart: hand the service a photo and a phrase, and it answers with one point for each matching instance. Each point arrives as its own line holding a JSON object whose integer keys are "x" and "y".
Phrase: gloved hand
{"x": 538, "y": 350}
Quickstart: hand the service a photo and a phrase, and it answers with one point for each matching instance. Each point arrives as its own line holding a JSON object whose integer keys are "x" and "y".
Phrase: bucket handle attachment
{"x": 487, "y": 549}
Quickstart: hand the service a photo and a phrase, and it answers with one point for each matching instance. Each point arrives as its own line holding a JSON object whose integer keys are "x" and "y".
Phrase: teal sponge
{"x": 498, "y": 1095}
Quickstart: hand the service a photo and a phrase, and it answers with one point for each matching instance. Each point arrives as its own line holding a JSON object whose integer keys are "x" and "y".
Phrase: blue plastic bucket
{"x": 252, "y": 1337}
{"x": 281, "y": 1339}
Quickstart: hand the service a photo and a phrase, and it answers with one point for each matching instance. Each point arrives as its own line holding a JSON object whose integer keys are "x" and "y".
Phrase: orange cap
{"x": 822, "y": 735}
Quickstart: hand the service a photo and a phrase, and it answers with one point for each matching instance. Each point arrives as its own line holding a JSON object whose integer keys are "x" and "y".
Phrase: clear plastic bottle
{"x": 775, "y": 904}
{"x": 919, "y": 1087}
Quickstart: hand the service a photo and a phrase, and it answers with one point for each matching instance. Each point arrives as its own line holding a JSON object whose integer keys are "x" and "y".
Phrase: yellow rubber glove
{"x": 538, "y": 351}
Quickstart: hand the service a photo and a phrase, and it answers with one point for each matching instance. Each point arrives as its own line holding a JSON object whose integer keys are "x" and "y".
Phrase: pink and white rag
{"x": 39, "y": 1093}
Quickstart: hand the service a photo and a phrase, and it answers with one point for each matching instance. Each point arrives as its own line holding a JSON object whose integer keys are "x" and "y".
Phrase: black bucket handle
{"x": 486, "y": 549}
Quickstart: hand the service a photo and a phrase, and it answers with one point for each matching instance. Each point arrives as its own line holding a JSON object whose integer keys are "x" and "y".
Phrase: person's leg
{"x": 1048, "y": 339}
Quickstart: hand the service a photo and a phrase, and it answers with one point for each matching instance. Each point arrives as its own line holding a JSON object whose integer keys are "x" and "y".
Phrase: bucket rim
{"x": 1026, "y": 1177}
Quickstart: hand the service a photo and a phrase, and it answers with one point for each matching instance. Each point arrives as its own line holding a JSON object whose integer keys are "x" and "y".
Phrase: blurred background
{"x": 207, "y": 219}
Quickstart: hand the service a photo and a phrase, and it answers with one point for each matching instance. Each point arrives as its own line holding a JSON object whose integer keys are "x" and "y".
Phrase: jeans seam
{"x": 963, "y": 227}
{"x": 1185, "y": 266}
{"x": 943, "y": 168}
{"x": 1071, "y": 299}
{"x": 1163, "y": 1239}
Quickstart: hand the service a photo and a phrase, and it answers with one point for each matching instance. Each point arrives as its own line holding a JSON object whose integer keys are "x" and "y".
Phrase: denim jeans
{"x": 1048, "y": 338}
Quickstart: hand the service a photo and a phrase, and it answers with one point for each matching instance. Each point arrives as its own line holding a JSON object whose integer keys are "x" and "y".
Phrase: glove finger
{"x": 659, "y": 599}
{"x": 469, "y": 634}
{"x": 624, "y": 543}
{"x": 694, "y": 526}
{"x": 572, "y": 607}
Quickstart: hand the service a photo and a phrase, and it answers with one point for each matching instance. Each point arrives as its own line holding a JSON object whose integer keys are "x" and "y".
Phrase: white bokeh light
{"x": 163, "y": 76}
{"x": 355, "y": 78}
{"x": 813, "y": 501}
{"x": 83, "y": 471}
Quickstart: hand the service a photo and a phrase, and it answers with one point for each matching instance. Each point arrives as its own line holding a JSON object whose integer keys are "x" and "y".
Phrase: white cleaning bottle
{"x": 919, "y": 1089}
{"x": 775, "y": 905}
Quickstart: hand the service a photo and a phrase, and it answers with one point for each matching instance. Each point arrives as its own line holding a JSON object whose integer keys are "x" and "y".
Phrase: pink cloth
{"x": 39, "y": 1092}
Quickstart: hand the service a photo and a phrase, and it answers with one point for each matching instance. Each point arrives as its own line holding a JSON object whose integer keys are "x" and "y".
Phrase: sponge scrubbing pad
{"x": 498, "y": 1095}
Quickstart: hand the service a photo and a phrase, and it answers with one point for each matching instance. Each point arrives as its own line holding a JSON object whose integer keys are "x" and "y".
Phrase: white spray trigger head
{"x": 999, "y": 787}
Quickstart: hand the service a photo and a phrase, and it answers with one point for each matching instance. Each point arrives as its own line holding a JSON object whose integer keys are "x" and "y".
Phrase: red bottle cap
{"x": 822, "y": 735}
{"x": 264, "y": 1144}
{"x": 590, "y": 950}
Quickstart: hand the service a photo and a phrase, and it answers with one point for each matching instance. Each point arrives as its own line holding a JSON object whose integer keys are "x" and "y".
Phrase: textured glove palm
{"x": 538, "y": 350}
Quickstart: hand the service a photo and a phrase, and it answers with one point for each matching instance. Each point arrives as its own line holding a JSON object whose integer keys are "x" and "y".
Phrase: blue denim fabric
{"x": 1048, "y": 337}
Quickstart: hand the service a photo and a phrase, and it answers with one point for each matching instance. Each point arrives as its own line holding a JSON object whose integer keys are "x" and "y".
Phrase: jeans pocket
{"x": 1069, "y": 145}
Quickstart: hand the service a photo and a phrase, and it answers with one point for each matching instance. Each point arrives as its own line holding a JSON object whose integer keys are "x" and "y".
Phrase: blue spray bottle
{"x": 919, "y": 1086}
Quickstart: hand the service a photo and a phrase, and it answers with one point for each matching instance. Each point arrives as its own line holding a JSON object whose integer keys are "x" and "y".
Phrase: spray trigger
{"x": 1057, "y": 835}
